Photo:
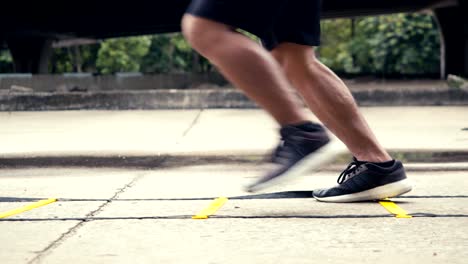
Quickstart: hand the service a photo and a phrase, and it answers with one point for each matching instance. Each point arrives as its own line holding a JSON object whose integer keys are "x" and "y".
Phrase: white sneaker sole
{"x": 309, "y": 163}
{"x": 381, "y": 192}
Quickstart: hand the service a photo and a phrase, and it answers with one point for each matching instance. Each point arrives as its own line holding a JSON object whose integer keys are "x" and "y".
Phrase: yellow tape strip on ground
{"x": 394, "y": 209}
{"x": 211, "y": 209}
{"x": 27, "y": 207}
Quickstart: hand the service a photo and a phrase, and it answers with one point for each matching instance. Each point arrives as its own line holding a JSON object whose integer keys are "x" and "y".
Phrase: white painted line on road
{"x": 211, "y": 209}
{"x": 394, "y": 209}
{"x": 27, "y": 207}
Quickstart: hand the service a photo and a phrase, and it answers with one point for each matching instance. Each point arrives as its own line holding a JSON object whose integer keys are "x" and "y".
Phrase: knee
{"x": 192, "y": 30}
{"x": 295, "y": 59}
{"x": 200, "y": 33}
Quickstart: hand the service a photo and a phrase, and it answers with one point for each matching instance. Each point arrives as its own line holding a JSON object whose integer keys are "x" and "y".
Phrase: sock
{"x": 309, "y": 127}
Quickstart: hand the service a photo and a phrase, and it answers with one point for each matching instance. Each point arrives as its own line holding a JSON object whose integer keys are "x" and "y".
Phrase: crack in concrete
{"x": 192, "y": 124}
{"x": 89, "y": 217}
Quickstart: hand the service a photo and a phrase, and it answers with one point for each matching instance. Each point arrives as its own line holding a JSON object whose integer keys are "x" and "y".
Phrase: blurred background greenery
{"x": 400, "y": 45}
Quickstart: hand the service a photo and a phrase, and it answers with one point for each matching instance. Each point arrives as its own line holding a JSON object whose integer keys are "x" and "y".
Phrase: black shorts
{"x": 273, "y": 21}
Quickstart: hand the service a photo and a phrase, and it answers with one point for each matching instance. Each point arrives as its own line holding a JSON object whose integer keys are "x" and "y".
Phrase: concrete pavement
{"x": 144, "y": 216}
{"x": 209, "y": 132}
{"x": 128, "y": 183}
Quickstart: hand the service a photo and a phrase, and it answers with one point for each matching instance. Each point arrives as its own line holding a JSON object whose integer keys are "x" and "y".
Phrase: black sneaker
{"x": 365, "y": 181}
{"x": 299, "y": 151}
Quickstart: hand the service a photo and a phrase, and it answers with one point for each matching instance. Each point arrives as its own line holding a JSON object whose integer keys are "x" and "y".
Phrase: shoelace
{"x": 352, "y": 169}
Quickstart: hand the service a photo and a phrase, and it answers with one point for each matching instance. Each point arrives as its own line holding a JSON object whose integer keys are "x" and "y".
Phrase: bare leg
{"x": 330, "y": 100}
{"x": 247, "y": 65}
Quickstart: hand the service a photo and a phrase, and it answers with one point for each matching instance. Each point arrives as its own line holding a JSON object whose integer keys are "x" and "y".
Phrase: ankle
{"x": 374, "y": 157}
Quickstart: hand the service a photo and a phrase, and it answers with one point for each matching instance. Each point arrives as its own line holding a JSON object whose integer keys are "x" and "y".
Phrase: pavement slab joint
{"x": 89, "y": 217}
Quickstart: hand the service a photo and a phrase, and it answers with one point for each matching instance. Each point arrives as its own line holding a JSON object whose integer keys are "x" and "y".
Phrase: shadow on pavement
{"x": 277, "y": 195}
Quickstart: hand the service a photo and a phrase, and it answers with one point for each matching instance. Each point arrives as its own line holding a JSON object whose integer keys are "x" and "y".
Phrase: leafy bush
{"x": 405, "y": 44}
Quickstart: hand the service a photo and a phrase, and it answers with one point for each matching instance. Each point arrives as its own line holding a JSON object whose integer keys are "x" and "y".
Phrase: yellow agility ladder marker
{"x": 211, "y": 209}
{"x": 27, "y": 207}
{"x": 394, "y": 209}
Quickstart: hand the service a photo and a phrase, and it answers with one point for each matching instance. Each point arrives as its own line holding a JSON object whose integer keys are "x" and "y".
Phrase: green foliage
{"x": 400, "y": 44}
{"x": 163, "y": 53}
{"x": 334, "y": 51}
{"x": 89, "y": 56}
{"x": 61, "y": 61}
{"x": 74, "y": 59}
{"x": 167, "y": 53}
{"x": 6, "y": 62}
{"x": 159, "y": 56}
{"x": 122, "y": 54}
{"x": 171, "y": 53}
{"x": 249, "y": 35}
{"x": 393, "y": 44}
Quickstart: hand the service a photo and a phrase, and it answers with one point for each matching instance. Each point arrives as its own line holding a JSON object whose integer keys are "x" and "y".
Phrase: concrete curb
{"x": 204, "y": 98}
{"x": 125, "y": 100}
{"x": 425, "y": 160}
